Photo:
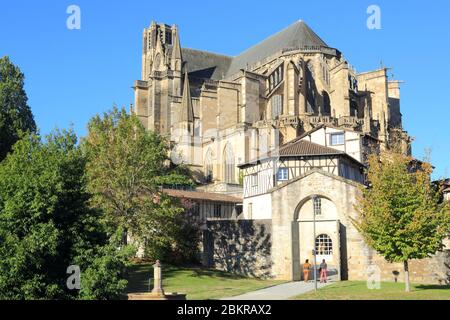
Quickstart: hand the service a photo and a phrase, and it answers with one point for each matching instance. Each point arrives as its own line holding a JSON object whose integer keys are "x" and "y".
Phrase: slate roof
{"x": 296, "y": 36}
{"x": 203, "y": 64}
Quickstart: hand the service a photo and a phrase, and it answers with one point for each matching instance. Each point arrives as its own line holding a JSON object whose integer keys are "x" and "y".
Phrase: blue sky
{"x": 72, "y": 75}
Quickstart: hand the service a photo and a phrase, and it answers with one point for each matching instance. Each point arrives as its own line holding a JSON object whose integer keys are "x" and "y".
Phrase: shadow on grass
{"x": 431, "y": 287}
{"x": 204, "y": 272}
{"x": 139, "y": 275}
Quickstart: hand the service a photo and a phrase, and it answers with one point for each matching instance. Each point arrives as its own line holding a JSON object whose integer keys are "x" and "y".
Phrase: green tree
{"x": 127, "y": 167}
{"x": 46, "y": 224}
{"x": 401, "y": 216}
{"x": 15, "y": 115}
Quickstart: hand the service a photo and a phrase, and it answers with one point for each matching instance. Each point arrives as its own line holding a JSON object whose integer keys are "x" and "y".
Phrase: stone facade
{"x": 222, "y": 112}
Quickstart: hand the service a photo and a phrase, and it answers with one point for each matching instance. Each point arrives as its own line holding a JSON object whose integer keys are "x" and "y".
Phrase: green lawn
{"x": 197, "y": 283}
{"x": 357, "y": 290}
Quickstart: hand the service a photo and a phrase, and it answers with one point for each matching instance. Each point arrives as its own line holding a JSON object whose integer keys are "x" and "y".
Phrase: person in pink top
{"x": 323, "y": 271}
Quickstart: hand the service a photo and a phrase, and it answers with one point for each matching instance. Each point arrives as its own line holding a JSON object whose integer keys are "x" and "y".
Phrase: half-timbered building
{"x": 291, "y": 161}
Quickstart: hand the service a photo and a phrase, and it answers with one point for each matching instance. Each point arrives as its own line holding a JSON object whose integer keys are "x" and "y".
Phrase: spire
{"x": 159, "y": 46}
{"x": 176, "y": 52}
{"x": 187, "y": 111}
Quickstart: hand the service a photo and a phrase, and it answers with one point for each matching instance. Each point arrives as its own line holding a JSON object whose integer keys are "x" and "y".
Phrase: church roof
{"x": 203, "y": 64}
{"x": 298, "y": 35}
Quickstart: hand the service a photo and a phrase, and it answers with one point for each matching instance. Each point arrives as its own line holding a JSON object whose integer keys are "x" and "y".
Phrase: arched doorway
{"x": 316, "y": 227}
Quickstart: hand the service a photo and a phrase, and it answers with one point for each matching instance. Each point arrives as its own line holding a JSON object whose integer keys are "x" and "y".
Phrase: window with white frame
{"x": 283, "y": 174}
{"x": 324, "y": 245}
{"x": 337, "y": 139}
{"x": 254, "y": 180}
{"x": 317, "y": 203}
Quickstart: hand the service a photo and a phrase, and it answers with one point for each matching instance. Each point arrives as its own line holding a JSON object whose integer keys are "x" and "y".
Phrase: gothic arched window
{"x": 311, "y": 89}
{"x": 277, "y": 106}
{"x": 228, "y": 164}
{"x": 209, "y": 166}
{"x": 324, "y": 245}
{"x": 326, "y": 104}
{"x": 353, "y": 108}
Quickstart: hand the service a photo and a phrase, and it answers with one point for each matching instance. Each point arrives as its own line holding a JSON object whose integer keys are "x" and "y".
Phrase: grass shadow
{"x": 431, "y": 287}
{"x": 139, "y": 275}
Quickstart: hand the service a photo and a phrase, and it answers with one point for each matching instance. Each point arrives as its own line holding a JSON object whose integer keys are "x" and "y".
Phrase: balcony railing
{"x": 322, "y": 119}
{"x": 350, "y": 121}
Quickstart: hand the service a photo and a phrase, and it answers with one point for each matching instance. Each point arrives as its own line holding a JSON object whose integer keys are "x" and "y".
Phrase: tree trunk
{"x": 406, "y": 267}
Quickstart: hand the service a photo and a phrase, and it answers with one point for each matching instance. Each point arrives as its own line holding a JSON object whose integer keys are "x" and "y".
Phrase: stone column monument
{"x": 157, "y": 279}
{"x": 157, "y": 292}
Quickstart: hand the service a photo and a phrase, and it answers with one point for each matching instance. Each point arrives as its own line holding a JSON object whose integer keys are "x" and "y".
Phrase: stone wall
{"x": 239, "y": 246}
{"x": 433, "y": 270}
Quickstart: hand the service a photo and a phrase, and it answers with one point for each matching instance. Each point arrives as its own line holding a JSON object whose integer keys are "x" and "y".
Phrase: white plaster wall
{"x": 262, "y": 207}
{"x": 352, "y": 145}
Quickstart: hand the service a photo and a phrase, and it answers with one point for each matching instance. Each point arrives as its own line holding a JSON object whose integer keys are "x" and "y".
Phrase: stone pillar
{"x": 157, "y": 288}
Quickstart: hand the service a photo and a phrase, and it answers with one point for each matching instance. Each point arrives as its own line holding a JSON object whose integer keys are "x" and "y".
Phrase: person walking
{"x": 323, "y": 272}
{"x": 306, "y": 270}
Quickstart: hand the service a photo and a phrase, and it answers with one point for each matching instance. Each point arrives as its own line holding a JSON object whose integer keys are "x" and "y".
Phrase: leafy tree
{"x": 104, "y": 275}
{"x": 15, "y": 115}
{"x": 401, "y": 215}
{"x": 46, "y": 224}
{"x": 127, "y": 167}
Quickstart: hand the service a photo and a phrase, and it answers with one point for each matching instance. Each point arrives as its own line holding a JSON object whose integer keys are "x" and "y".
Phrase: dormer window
{"x": 337, "y": 139}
